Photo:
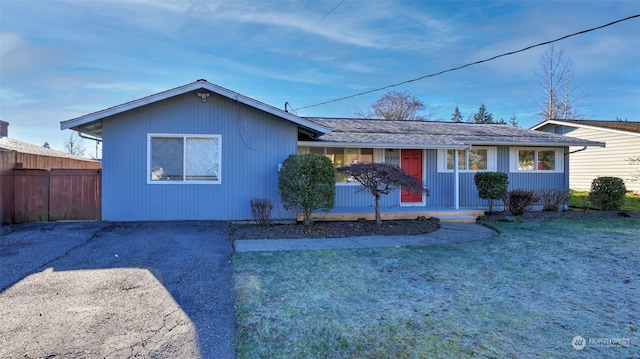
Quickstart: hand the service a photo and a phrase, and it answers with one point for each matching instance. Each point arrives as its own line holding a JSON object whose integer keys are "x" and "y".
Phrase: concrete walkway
{"x": 448, "y": 233}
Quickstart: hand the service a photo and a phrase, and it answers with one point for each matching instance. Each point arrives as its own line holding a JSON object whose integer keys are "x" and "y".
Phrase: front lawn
{"x": 526, "y": 293}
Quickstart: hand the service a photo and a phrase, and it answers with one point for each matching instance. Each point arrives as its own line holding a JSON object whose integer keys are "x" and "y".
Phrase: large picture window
{"x": 183, "y": 158}
{"x": 341, "y": 156}
{"x": 537, "y": 160}
{"x": 477, "y": 159}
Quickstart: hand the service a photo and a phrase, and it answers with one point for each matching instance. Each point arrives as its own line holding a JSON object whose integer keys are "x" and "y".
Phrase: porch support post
{"x": 456, "y": 176}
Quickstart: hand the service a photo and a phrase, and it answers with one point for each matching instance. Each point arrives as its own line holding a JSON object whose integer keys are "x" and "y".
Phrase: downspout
{"x": 93, "y": 139}
{"x": 456, "y": 185}
{"x": 565, "y": 205}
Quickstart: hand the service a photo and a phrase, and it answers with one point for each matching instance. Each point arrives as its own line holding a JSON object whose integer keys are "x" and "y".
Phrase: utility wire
{"x": 469, "y": 64}
{"x": 310, "y": 29}
{"x": 324, "y": 17}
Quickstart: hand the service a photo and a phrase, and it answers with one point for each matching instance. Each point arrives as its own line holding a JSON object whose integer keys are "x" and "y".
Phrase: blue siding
{"x": 253, "y": 144}
{"x": 352, "y": 196}
{"x": 441, "y": 185}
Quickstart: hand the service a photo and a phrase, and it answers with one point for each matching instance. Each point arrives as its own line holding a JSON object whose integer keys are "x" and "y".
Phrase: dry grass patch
{"x": 526, "y": 293}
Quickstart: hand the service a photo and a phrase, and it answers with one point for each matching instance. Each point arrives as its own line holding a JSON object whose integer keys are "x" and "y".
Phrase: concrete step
{"x": 455, "y": 219}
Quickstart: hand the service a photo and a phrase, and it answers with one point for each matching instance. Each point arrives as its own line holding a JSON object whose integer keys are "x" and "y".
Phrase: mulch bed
{"x": 333, "y": 229}
{"x": 541, "y": 216}
{"x": 396, "y": 227}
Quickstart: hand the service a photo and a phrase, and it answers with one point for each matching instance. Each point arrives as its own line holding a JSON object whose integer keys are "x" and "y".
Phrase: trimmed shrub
{"x": 519, "y": 200}
{"x": 307, "y": 183}
{"x": 552, "y": 199}
{"x": 261, "y": 210}
{"x": 607, "y": 193}
{"x": 491, "y": 186}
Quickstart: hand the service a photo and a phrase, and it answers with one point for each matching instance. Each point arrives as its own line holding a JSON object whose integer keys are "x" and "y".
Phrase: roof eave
{"x": 582, "y": 125}
{"x": 321, "y": 143}
{"x": 200, "y": 84}
{"x": 539, "y": 143}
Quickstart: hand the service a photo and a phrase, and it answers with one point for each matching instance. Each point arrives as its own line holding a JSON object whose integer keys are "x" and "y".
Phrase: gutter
{"x": 580, "y": 150}
{"x": 382, "y": 145}
{"x": 89, "y": 137}
{"x": 538, "y": 144}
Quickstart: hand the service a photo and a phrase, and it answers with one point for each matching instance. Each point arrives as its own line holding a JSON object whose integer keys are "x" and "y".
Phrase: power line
{"x": 310, "y": 29}
{"x": 324, "y": 17}
{"x": 469, "y": 64}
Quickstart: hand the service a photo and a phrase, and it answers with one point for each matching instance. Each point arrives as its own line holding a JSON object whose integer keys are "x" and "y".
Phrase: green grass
{"x": 525, "y": 293}
{"x": 631, "y": 202}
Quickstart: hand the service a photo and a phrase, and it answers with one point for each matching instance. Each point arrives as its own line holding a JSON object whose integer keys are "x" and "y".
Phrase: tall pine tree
{"x": 482, "y": 116}
{"x": 457, "y": 116}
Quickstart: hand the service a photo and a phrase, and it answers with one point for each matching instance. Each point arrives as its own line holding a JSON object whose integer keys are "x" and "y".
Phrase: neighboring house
{"x": 200, "y": 151}
{"x": 48, "y": 156}
{"x": 623, "y": 142}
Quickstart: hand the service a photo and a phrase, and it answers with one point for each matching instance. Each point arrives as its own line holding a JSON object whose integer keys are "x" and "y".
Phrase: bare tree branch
{"x": 74, "y": 145}
{"x": 555, "y": 77}
{"x": 403, "y": 106}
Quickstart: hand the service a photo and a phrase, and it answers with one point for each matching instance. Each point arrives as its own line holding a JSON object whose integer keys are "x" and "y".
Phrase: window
{"x": 341, "y": 156}
{"x": 478, "y": 159}
{"x": 183, "y": 158}
{"x": 537, "y": 160}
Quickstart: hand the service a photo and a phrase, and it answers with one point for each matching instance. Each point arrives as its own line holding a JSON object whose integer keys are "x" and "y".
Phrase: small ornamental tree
{"x": 491, "y": 186}
{"x": 382, "y": 178}
{"x": 307, "y": 183}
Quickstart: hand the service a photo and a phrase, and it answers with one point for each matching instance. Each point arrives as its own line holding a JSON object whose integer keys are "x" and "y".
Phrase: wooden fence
{"x": 48, "y": 194}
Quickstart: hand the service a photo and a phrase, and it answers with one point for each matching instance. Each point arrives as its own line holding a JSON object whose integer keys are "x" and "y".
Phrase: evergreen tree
{"x": 482, "y": 116}
{"x": 513, "y": 122}
{"x": 457, "y": 116}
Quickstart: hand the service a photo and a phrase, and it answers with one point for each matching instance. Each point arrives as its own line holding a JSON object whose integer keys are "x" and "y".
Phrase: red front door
{"x": 411, "y": 163}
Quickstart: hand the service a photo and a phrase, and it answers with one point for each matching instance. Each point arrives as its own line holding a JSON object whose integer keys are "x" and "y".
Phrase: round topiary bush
{"x": 607, "y": 193}
{"x": 307, "y": 182}
{"x": 491, "y": 186}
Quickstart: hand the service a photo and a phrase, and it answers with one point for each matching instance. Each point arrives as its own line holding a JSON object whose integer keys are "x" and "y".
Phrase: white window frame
{"x": 184, "y": 138}
{"x": 491, "y": 160}
{"x": 513, "y": 159}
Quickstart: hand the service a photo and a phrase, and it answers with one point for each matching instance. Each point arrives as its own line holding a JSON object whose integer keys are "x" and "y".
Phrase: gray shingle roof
{"x": 628, "y": 126}
{"x": 10, "y": 144}
{"x": 429, "y": 134}
{"x": 91, "y": 124}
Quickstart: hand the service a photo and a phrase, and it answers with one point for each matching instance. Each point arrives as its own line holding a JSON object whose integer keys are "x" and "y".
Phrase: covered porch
{"x": 439, "y": 214}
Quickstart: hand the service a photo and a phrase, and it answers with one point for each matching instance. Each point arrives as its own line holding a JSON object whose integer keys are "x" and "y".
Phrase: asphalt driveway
{"x": 117, "y": 290}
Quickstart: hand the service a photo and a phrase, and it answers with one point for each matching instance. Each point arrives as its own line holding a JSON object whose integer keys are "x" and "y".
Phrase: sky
{"x": 64, "y": 59}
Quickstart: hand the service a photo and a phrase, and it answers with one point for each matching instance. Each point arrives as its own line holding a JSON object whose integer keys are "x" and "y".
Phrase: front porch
{"x": 439, "y": 214}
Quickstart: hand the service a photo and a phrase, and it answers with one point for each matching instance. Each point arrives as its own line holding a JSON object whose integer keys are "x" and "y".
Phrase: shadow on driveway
{"x": 105, "y": 289}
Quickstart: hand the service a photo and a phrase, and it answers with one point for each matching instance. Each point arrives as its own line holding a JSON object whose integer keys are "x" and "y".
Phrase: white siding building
{"x": 622, "y": 140}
